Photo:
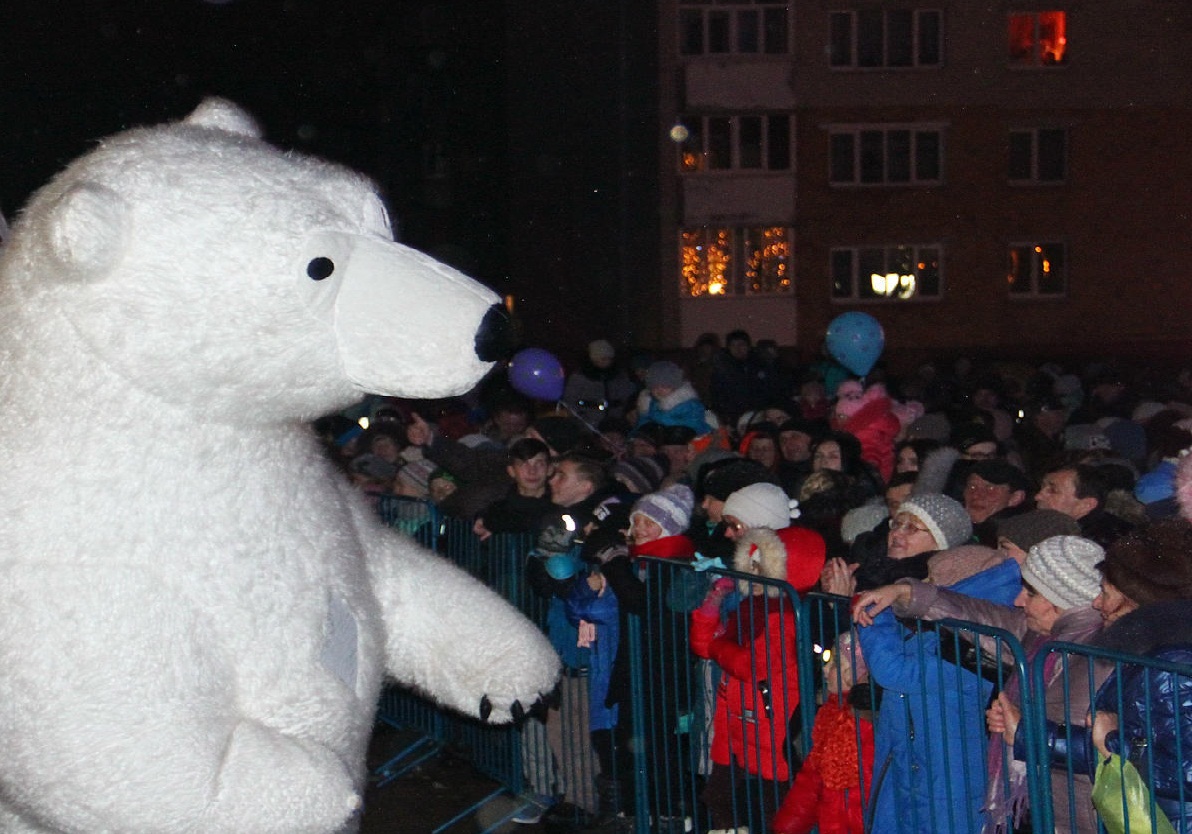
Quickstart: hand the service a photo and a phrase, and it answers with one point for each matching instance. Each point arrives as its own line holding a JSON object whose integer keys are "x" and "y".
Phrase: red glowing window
{"x": 1038, "y": 39}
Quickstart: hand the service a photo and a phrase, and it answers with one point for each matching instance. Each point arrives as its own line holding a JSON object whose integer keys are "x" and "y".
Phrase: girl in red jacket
{"x": 832, "y": 787}
{"x": 759, "y": 685}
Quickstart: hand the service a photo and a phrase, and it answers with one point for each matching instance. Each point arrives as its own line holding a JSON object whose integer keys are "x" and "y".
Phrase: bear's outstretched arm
{"x": 122, "y": 712}
{"x": 451, "y": 637}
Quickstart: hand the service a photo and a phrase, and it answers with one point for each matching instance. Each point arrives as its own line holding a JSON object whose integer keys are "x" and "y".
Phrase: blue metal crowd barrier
{"x": 940, "y": 677}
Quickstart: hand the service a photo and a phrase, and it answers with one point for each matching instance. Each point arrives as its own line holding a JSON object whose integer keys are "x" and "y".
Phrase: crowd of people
{"x": 1044, "y": 500}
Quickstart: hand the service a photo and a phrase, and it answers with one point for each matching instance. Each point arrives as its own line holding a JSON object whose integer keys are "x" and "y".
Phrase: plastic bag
{"x": 1120, "y": 795}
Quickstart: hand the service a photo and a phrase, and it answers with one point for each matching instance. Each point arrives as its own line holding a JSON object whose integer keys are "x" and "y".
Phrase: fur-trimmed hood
{"x": 793, "y": 554}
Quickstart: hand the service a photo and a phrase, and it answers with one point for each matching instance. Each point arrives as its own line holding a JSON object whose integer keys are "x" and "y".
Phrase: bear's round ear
{"x": 87, "y": 231}
{"x": 221, "y": 114}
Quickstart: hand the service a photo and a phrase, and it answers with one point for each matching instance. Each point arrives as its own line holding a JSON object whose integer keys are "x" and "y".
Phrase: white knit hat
{"x": 1064, "y": 570}
{"x": 669, "y": 508}
{"x": 945, "y": 518}
{"x": 761, "y": 505}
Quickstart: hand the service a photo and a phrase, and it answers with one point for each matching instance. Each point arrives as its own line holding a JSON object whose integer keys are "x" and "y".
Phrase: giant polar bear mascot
{"x": 196, "y": 611}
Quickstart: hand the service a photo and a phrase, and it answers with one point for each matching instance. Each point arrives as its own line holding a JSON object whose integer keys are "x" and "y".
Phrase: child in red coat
{"x": 832, "y": 788}
{"x": 759, "y": 685}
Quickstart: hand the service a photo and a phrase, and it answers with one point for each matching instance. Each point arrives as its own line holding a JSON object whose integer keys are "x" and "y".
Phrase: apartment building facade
{"x": 977, "y": 176}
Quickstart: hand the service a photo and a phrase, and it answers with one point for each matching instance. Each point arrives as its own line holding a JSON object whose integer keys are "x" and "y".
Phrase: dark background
{"x": 514, "y": 140}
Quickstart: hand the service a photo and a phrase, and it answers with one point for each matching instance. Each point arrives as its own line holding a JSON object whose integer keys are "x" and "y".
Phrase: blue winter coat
{"x": 929, "y": 768}
{"x": 1162, "y": 749}
{"x": 584, "y": 604}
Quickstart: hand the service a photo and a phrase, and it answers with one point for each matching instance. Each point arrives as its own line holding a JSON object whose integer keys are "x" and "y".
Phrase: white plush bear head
{"x": 226, "y": 277}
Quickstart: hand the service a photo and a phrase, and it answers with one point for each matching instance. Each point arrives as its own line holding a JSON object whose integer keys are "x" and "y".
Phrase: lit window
{"x": 1038, "y": 39}
{"x": 886, "y": 273}
{"x": 748, "y": 260}
{"x": 744, "y": 27}
{"x": 885, "y": 156}
{"x": 878, "y": 38}
{"x": 728, "y": 143}
{"x": 1037, "y": 269}
{"x": 1038, "y": 156}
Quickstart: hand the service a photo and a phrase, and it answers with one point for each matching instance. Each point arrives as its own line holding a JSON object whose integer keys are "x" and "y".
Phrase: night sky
{"x": 363, "y": 83}
{"x": 547, "y": 140}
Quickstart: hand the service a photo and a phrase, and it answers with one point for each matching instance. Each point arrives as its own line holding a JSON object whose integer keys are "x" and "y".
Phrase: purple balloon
{"x": 536, "y": 373}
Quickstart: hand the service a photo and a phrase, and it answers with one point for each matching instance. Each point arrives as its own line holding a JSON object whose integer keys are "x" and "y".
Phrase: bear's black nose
{"x": 495, "y": 338}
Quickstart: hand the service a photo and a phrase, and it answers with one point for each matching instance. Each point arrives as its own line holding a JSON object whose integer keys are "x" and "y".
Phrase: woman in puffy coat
{"x": 755, "y": 649}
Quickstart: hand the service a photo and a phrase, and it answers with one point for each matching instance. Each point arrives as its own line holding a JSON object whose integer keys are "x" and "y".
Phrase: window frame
{"x": 704, "y": 135}
{"x": 1034, "y": 294}
{"x": 856, "y": 297}
{"x": 858, "y": 162}
{"x": 1036, "y": 60}
{"x": 734, "y": 13}
{"x": 738, "y": 246}
{"x": 916, "y": 46}
{"x": 1035, "y": 178}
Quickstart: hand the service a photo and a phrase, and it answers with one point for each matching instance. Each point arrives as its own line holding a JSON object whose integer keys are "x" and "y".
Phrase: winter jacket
{"x": 759, "y": 687}
{"x": 595, "y": 393}
{"x": 876, "y": 426}
{"x": 583, "y": 603}
{"x": 1067, "y": 694}
{"x": 680, "y": 407}
{"x": 930, "y": 737}
{"x": 755, "y": 649}
{"x": 1161, "y": 631}
{"x": 836, "y": 777}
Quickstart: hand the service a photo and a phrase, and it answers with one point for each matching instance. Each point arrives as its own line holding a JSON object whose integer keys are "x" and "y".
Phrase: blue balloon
{"x": 537, "y": 374}
{"x": 856, "y": 340}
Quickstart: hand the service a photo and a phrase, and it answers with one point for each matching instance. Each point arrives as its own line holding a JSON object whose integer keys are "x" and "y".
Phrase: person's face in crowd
{"x": 679, "y": 455}
{"x": 530, "y": 475}
{"x": 1041, "y": 613}
{"x": 827, "y": 456}
{"x": 714, "y": 507}
{"x": 603, "y": 361}
{"x": 982, "y": 499}
{"x": 895, "y": 496}
{"x": 567, "y": 487}
{"x": 795, "y": 445}
{"x": 615, "y": 442}
{"x": 985, "y": 450}
{"x": 908, "y": 460}
{"x": 985, "y": 399}
{"x": 511, "y": 424}
{"x": 812, "y": 392}
{"x": 1112, "y": 603}
{"x": 661, "y": 392}
{"x": 775, "y": 415}
{"x": 734, "y": 528}
{"x": 763, "y": 450}
{"x": 908, "y": 537}
{"x": 644, "y": 529}
{"x": 385, "y": 447}
{"x": 838, "y": 672}
{"x": 640, "y": 447}
{"x": 738, "y": 349}
{"x": 1058, "y": 492}
{"x": 1051, "y": 421}
{"x": 440, "y": 489}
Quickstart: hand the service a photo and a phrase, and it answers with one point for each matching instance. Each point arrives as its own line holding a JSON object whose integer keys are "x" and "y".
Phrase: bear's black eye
{"x": 320, "y": 268}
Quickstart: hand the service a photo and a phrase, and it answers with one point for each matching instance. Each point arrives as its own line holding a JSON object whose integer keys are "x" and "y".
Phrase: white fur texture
{"x": 196, "y": 611}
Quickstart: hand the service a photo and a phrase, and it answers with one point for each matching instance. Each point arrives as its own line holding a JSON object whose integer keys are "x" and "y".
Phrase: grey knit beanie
{"x": 1064, "y": 570}
{"x": 945, "y": 518}
{"x": 761, "y": 505}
